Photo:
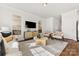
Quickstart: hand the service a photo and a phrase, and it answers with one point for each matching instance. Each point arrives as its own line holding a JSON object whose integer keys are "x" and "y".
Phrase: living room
{"x": 37, "y": 28}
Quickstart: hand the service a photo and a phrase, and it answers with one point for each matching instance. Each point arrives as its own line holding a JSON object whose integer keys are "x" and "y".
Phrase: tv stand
{"x": 29, "y": 34}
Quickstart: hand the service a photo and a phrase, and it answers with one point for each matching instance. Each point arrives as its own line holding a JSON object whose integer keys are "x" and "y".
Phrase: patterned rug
{"x": 39, "y": 51}
{"x": 53, "y": 48}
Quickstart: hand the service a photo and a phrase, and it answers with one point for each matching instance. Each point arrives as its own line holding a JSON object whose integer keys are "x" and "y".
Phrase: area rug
{"x": 53, "y": 47}
{"x": 56, "y": 46}
{"x": 40, "y": 51}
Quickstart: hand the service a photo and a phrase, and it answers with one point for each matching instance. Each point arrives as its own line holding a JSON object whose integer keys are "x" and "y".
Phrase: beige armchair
{"x": 47, "y": 34}
{"x": 58, "y": 35}
{"x": 11, "y": 46}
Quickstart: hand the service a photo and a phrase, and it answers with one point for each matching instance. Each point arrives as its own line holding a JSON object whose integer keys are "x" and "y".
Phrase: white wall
{"x": 47, "y": 25}
{"x": 56, "y": 24}
{"x": 6, "y": 17}
{"x": 69, "y": 24}
{"x": 51, "y": 24}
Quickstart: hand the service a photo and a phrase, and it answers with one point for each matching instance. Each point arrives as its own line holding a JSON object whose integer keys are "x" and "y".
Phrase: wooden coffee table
{"x": 41, "y": 41}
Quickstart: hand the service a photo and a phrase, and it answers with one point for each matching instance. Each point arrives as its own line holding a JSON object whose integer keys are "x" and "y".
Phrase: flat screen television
{"x": 30, "y": 24}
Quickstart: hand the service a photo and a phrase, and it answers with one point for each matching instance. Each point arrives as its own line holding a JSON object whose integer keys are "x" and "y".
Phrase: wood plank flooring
{"x": 72, "y": 48}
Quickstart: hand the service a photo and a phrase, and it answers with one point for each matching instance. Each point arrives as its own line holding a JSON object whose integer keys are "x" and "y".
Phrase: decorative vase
{"x": 39, "y": 36}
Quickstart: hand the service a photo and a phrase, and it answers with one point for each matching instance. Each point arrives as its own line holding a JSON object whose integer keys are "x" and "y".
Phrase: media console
{"x": 29, "y": 34}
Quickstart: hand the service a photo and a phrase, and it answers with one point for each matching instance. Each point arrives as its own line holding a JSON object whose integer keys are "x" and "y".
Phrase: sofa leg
{"x": 63, "y": 38}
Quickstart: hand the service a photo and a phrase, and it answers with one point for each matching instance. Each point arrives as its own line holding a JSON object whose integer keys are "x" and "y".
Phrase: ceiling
{"x": 51, "y": 10}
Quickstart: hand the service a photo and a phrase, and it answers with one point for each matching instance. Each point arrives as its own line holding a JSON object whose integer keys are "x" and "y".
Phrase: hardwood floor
{"x": 72, "y": 48}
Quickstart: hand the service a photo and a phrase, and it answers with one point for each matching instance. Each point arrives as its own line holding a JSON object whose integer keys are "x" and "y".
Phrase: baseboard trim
{"x": 71, "y": 39}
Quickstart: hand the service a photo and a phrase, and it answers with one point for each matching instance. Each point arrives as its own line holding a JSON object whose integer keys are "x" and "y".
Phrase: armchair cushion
{"x": 9, "y": 38}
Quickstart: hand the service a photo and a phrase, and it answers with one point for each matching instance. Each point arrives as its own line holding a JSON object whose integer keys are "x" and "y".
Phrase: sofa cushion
{"x": 9, "y": 38}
